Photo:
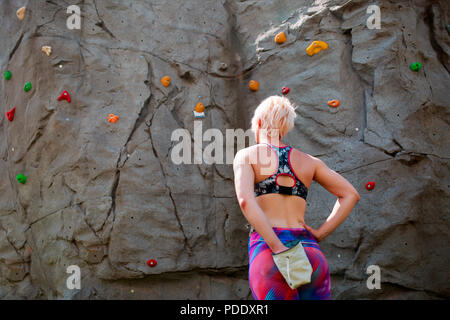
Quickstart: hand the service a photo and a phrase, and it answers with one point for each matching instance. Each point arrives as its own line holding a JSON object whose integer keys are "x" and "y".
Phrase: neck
{"x": 270, "y": 140}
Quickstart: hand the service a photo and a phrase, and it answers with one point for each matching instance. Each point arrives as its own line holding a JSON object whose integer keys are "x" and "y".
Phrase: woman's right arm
{"x": 244, "y": 178}
{"x": 340, "y": 187}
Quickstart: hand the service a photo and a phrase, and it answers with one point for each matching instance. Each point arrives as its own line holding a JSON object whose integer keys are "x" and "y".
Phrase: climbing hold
{"x": 285, "y": 90}
{"x": 21, "y": 13}
{"x": 253, "y": 85}
{"x": 223, "y": 66}
{"x": 64, "y": 96}
{"x": 47, "y": 50}
{"x": 316, "y": 47}
{"x": 334, "y": 103}
{"x": 7, "y": 75}
{"x": 152, "y": 263}
{"x": 165, "y": 81}
{"x": 370, "y": 185}
{"x": 113, "y": 118}
{"x": 10, "y": 114}
{"x": 415, "y": 66}
{"x": 21, "y": 178}
{"x": 199, "y": 111}
{"x": 280, "y": 38}
{"x": 27, "y": 86}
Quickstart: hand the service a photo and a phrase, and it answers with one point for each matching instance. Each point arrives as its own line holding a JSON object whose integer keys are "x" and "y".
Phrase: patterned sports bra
{"x": 270, "y": 184}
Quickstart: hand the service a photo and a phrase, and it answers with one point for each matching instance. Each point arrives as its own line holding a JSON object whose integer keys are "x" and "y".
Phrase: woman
{"x": 272, "y": 181}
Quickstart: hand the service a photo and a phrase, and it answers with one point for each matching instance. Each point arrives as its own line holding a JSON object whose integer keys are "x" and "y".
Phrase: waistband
{"x": 285, "y": 235}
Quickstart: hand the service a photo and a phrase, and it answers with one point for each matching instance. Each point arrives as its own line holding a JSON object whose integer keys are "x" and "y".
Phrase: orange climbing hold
{"x": 165, "y": 81}
{"x": 316, "y": 47}
{"x": 280, "y": 38}
{"x": 199, "y": 111}
{"x": 21, "y": 13}
{"x": 113, "y": 118}
{"x": 253, "y": 85}
{"x": 334, "y": 103}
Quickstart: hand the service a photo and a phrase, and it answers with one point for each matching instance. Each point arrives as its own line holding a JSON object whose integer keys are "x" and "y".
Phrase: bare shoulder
{"x": 303, "y": 156}
{"x": 243, "y": 155}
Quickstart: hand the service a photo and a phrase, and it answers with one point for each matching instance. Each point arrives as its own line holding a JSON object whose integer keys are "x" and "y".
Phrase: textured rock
{"x": 108, "y": 197}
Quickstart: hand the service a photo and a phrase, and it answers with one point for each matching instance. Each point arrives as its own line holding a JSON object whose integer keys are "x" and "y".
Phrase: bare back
{"x": 282, "y": 210}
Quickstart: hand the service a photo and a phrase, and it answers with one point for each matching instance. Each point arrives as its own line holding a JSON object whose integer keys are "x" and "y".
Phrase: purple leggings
{"x": 266, "y": 281}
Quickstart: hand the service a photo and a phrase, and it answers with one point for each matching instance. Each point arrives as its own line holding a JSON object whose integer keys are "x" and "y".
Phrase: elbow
{"x": 352, "y": 195}
{"x": 355, "y": 196}
{"x": 242, "y": 203}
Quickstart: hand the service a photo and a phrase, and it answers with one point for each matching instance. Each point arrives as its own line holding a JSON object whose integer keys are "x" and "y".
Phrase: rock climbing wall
{"x": 103, "y": 193}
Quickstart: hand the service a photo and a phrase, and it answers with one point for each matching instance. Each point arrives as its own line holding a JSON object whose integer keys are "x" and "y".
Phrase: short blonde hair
{"x": 276, "y": 115}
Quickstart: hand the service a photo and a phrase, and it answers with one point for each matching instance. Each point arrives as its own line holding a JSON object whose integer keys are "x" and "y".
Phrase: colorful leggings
{"x": 267, "y": 283}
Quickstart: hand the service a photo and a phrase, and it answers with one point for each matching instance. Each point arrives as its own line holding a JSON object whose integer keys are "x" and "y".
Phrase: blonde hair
{"x": 275, "y": 115}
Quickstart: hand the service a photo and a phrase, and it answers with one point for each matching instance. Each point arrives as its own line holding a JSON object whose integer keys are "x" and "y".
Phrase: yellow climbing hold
{"x": 316, "y": 47}
{"x": 21, "y": 13}
{"x": 47, "y": 50}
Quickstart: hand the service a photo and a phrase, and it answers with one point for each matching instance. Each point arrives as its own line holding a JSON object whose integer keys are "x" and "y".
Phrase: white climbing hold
{"x": 339, "y": 255}
{"x": 356, "y": 129}
{"x": 60, "y": 66}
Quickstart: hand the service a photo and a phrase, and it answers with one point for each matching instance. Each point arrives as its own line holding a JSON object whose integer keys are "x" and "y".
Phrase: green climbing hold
{"x": 448, "y": 28}
{"x": 27, "y": 86}
{"x": 415, "y": 66}
{"x": 21, "y": 178}
{"x": 8, "y": 75}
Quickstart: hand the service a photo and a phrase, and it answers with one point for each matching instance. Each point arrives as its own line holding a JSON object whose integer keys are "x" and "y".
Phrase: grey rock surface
{"x": 107, "y": 197}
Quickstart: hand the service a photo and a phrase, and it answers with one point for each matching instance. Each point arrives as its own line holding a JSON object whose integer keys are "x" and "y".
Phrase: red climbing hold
{"x": 151, "y": 263}
{"x": 10, "y": 114}
{"x": 370, "y": 185}
{"x": 285, "y": 90}
{"x": 64, "y": 96}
